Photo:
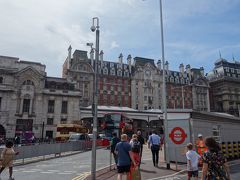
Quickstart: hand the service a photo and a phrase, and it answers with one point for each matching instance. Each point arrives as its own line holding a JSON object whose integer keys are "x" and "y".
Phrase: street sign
{"x": 178, "y": 135}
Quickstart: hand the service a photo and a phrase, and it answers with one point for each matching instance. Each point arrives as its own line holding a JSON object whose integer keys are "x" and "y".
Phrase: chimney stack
{"x": 69, "y": 56}
{"x": 181, "y": 68}
{"x": 129, "y": 60}
{"x": 159, "y": 64}
{"x": 120, "y": 58}
{"x": 92, "y": 57}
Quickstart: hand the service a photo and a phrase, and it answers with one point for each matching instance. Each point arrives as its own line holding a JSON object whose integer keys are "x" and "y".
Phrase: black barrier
{"x": 235, "y": 150}
{"x": 230, "y": 151}
{"x": 224, "y": 151}
{"x": 239, "y": 149}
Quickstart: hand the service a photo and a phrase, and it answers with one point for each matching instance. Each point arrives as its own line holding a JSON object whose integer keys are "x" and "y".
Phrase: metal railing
{"x": 54, "y": 149}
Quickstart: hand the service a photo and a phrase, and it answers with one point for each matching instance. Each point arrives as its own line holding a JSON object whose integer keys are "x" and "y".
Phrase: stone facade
{"x": 25, "y": 94}
{"x": 225, "y": 87}
{"x": 146, "y": 84}
{"x": 114, "y": 82}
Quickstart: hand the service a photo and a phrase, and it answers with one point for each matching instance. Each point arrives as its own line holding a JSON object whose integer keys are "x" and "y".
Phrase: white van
{"x": 79, "y": 137}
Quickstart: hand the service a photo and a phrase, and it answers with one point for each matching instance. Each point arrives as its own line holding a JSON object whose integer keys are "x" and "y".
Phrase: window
{"x": 64, "y": 107}
{"x": 1, "y": 80}
{"x": 49, "y": 134}
{"x": 105, "y": 71}
{"x": 51, "y": 106}
{"x": 216, "y": 133}
{"x": 145, "y": 98}
{"x": 49, "y": 121}
{"x": 63, "y": 121}
{"x": 26, "y": 105}
{"x": 28, "y": 82}
{"x": 112, "y": 72}
{"x": 119, "y": 73}
{"x": 136, "y": 106}
{"x": 0, "y": 103}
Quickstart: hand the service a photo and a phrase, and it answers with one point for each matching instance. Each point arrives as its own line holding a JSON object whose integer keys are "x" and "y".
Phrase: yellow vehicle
{"x": 64, "y": 131}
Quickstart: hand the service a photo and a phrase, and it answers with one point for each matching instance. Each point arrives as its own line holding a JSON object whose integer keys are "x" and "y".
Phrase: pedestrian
{"x": 7, "y": 157}
{"x": 114, "y": 142}
{"x": 192, "y": 162}
{"x": 214, "y": 163}
{"x": 141, "y": 140}
{"x": 123, "y": 151}
{"x": 135, "y": 151}
{"x": 154, "y": 144}
{"x": 201, "y": 148}
{"x": 17, "y": 140}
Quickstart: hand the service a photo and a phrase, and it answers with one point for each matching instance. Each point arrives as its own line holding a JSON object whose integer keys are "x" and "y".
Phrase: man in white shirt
{"x": 192, "y": 162}
{"x": 154, "y": 141}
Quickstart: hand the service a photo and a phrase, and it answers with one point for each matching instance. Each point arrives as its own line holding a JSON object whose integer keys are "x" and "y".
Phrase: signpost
{"x": 178, "y": 135}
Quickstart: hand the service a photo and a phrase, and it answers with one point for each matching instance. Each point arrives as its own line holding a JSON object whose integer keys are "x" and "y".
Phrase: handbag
{"x": 134, "y": 174}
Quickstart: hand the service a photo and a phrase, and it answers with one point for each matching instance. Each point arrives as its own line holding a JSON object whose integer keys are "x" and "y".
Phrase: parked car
{"x": 102, "y": 139}
{"x": 79, "y": 137}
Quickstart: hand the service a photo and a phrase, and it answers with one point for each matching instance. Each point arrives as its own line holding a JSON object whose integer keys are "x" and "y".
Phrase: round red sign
{"x": 178, "y": 135}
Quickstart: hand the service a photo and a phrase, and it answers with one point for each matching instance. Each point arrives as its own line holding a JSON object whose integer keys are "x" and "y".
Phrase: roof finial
{"x": 220, "y": 54}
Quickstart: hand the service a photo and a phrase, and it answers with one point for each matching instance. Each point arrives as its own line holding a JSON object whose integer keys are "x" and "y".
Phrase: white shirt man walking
{"x": 154, "y": 143}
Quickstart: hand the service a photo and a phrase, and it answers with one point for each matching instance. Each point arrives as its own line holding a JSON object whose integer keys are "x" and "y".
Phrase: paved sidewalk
{"x": 148, "y": 171}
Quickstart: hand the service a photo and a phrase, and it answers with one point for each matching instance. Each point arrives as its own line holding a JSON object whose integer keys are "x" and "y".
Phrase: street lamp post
{"x": 164, "y": 92}
{"x": 95, "y": 99}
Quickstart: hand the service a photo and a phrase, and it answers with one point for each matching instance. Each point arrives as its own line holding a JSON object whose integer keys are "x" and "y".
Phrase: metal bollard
{"x": 176, "y": 161}
{"x": 110, "y": 159}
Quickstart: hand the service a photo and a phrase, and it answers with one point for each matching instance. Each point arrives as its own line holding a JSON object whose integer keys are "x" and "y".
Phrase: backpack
{"x": 135, "y": 146}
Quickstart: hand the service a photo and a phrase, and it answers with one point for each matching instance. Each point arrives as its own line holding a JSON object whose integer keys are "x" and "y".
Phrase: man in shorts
{"x": 192, "y": 162}
{"x": 123, "y": 150}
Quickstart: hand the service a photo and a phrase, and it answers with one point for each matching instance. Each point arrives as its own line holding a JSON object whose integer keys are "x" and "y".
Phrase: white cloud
{"x": 114, "y": 45}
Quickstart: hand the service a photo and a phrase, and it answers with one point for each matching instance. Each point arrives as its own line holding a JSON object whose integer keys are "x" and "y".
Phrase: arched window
{"x": 28, "y": 82}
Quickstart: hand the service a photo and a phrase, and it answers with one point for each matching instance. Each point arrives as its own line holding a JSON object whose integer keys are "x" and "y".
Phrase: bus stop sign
{"x": 178, "y": 135}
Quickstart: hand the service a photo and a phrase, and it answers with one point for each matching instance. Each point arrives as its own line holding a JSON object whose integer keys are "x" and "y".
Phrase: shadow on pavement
{"x": 147, "y": 171}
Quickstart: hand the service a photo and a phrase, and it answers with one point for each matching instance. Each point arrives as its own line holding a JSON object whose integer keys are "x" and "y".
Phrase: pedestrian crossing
{"x": 50, "y": 171}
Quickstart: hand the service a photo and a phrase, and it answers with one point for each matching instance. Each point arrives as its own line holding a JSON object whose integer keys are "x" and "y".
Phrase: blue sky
{"x": 195, "y": 30}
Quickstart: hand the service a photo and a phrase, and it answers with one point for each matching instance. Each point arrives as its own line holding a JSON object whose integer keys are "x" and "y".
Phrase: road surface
{"x": 63, "y": 168}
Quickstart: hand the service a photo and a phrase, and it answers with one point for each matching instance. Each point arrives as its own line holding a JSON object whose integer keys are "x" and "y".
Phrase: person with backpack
{"x": 135, "y": 151}
{"x": 141, "y": 140}
{"x": 114, "y": 142}
{"x": 214, "y": 163}
{"x": 154, "y": 143}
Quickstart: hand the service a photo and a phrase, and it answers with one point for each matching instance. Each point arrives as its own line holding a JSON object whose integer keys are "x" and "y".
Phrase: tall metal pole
{"x": 164, "y": 93}
{"x": 93, "y": 165}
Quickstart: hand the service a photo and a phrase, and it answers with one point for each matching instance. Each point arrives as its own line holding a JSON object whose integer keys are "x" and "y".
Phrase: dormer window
{"x": 113, "y": 72}
{"x": 105, "y": 71}
{"x": 119, "y": 73}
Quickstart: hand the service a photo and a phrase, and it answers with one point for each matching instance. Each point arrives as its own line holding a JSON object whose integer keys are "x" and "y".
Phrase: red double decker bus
{"x": 116, "y": 122}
